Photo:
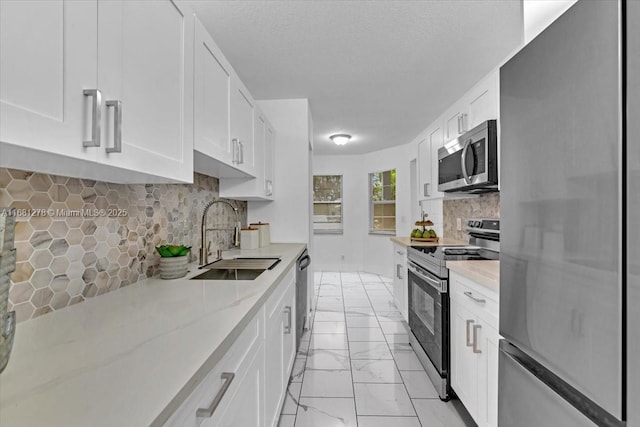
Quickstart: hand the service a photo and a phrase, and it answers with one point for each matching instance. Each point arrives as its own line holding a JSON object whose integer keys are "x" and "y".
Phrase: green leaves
{"x": 170, "y": 251}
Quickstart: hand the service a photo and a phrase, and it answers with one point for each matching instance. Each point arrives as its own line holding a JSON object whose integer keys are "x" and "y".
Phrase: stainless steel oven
{"x": 429, "y": 323}
{"x": 429, "y": 296}
{"x": 469, "y": 163}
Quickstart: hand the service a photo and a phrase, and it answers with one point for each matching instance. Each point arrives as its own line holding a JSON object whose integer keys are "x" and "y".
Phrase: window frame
{"x": 338, "y": 226}
{"x": 373, "y": 202}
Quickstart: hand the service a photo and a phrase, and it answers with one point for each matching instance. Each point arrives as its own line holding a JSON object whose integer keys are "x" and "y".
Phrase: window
{"x": 382, "y": 202}
{"x": 327, "y": 204}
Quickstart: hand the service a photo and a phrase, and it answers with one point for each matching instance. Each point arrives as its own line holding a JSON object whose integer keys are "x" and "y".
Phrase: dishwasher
{"x": 301, "y": 294}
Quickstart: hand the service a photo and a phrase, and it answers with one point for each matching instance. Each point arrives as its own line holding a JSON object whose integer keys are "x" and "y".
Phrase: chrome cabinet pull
{"x": 208, "y": 412}
{"x": 475, "y": 339}
{"x": 287, "y": 328}
{"x": 96, "y": 108}
{"x": 241, "y": 156}
{"x": 399, "y": 271}
{"x": 469, "y": 343}
{"x": 117, "y": 126}
{"x": 268, "y": 187}
{"x": 478, "y": 300}
{"x": 235, "y": 147}
{"x": 463, "y": 122}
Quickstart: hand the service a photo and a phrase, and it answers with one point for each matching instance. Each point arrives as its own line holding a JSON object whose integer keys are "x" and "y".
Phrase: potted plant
{"x": 173, "y": 260}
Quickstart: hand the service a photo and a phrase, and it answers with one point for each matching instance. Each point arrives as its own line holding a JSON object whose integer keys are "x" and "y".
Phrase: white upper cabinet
{"x": 145, "y": 57}
{"x": 436, "y": 141}
{"x": 425, "y": 186}
{"x": 482, "y": 101}
{"x": 479, "y": 104}
{"x": 269, "y": 161}
{"x": 98, "y": 89}
{"x": 47, "y": 59}
{"x": 212, "y": 98}
{"x": 242, "y": 126}
{"x": 260, "y": 187}
{"x": 229, "y": 128}
{"x": 455, "y": 122}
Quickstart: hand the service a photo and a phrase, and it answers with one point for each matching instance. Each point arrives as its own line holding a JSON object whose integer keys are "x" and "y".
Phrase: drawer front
{"x": 237, "y": 356}
{"x": 480, "y": 300}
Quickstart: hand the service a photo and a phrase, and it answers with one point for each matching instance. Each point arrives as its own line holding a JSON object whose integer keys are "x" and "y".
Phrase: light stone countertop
{"x": 406, "y": 241}
{"x": 131, "y": 356}
{"x": 485, "y": 273}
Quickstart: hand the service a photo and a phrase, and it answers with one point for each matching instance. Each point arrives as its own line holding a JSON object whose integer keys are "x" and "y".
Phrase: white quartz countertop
{"x": 485, "y": 273}
{"x": 131, "y": 356}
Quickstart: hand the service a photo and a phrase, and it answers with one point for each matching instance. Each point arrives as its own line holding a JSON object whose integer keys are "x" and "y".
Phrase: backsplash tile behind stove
{"x": 483, "y": 206}
{"x": 77, "y": 238}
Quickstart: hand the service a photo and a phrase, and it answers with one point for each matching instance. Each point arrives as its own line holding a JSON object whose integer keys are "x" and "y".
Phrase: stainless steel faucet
{"x": 204, "y": 248}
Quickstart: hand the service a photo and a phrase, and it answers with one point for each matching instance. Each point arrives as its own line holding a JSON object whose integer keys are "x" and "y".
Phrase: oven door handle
{"x": 463, "y": 161}
{"x": 415, "y": 269}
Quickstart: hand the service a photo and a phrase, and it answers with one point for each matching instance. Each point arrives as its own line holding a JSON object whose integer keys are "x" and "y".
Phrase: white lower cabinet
{"x": 474, "y": 348}
{"x": 244, "y": 407}
{"x": 247, "y": 386}
{"x": 400, "y": 280}
{"x": 279, "y": 348}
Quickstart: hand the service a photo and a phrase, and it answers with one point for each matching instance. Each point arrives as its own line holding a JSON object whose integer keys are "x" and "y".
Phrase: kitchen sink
{"x": 237, "y": 268}
{"x": 229, "y": 274}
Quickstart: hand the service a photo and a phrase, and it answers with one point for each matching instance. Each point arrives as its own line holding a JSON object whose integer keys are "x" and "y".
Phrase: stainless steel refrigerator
{"x": 569, "y": 246}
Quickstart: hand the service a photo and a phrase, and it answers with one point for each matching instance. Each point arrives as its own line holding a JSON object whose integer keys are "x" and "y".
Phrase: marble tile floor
{"x": 355, "y": 366}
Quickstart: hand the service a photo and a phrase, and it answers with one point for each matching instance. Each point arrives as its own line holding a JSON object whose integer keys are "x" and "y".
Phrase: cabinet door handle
{"x": 208, "y": 412}
{"x": 478, "y": 300}
{"x": 117, "y": 126}
{"x": 425, "y": 191}
{"x": 463, "y": 121}
{"x": 96, "y": 108}
{"x": 241, "y": 159}
{"x": 475, "y": 338}
{"x": 469, "y": 343}
{"x": 459, "y": 127}
{"x": 287, "y": 327}
{"x": 268, "y": 184}
{"x": 399, "y": 271}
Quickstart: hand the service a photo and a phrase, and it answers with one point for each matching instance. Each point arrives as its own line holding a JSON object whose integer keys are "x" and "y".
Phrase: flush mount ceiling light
{"x": 340, "y": 138}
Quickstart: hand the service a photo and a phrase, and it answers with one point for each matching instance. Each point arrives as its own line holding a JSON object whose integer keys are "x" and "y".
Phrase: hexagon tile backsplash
{"x": 483, "y": 206}
{"x": 78, "y": 238}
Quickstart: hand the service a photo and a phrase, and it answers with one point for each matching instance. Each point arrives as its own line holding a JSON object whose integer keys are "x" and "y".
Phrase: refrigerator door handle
{"x": 566, "y": 391}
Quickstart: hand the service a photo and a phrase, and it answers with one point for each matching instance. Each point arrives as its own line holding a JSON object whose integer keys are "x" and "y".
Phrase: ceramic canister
{"x": 265, "y": 235}
{"x": 249, "y": 238}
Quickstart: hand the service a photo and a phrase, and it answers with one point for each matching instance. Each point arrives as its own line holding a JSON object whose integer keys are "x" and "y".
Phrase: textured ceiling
{"x": 379, "y": 70}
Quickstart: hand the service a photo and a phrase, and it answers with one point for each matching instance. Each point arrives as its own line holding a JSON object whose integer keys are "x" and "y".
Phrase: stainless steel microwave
{"x": 469, "y": 163}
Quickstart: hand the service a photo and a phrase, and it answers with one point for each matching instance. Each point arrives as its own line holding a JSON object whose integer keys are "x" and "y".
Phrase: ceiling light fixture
{"x": 340, "y": 138}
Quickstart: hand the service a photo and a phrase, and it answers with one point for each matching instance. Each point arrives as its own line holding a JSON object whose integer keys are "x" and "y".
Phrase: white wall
{"x": 539, "y": 14}
{"x": 289, "y": 215}
{"x": 361, "y": 250}
{"x": 331, "y": 248}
